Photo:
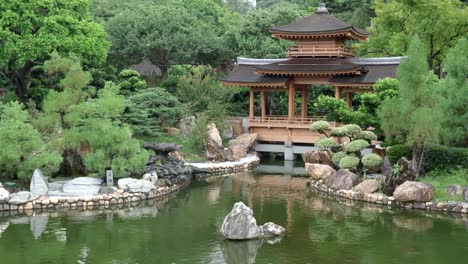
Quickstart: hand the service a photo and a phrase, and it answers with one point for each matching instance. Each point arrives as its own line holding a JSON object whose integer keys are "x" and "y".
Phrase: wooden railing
{"x": 313, "y": 51}
{"x": 285, "y": 122}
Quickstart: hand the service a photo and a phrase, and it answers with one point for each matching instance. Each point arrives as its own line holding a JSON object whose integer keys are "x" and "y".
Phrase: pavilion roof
{"x": 371, "y": 70}
{"x": 318, "y": 23}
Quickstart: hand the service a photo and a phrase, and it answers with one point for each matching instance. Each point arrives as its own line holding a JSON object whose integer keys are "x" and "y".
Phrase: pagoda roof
{"x": 246, "y": 72}
{"x": 319, "y": 23}
{"x": 299, "y": 66}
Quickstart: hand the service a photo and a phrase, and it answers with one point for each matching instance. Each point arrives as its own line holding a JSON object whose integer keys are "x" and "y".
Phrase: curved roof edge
{"x": 377, "y": 61}
{"x": 252, "y": 61}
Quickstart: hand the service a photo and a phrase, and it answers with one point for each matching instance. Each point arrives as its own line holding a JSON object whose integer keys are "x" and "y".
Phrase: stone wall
{"x": 390, "y": 201}
{"x": 205, "y": 169}
{"x": 119, "y": 197}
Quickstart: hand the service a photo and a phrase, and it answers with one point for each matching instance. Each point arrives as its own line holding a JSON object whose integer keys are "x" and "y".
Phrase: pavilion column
{"x": 337, "y": 92}
{"x": 263, "y": 104}
{"x": 292, "y": 101}
{"x": 304, "y": 102}
{"x": 349, "y": 99}
{"x": 251, "y": 103}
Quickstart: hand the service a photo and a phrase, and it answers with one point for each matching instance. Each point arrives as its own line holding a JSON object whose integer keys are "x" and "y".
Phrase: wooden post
{"x": 251, "y": 103}
{"x": 337, "y": 92}
{"x": 349, "y": 99}
{"x": 304, "y": 102}
{"x": 292, "y": 99}
{"x": 263, "y": 105}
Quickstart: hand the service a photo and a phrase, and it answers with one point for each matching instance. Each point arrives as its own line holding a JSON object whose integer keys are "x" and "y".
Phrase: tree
{"x": 168, "y": 33}
{"x": 130, "y": 82}
{"x": 454, "y": 89}
{"x": 22, "y": 149}
{"x": 31, "y": 30}
{"x": 415, "y": 114}
{"x": 439, "y": 24}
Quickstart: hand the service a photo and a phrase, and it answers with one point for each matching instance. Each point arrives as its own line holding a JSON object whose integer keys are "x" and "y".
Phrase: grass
{"x": 441, "y": 179}
{"x": 190, "y": 153}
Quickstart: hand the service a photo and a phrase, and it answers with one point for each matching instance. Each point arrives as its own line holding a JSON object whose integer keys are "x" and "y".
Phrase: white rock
{"x": 4, "y": 193}
{"x": 122, "y": 183}
{"x": 22, "y": 198}
{"x": 39, "y": 185}
{"x": 143, "y": 186}
{"x": 82, "y": 186}
{"x": 152, "y": 177}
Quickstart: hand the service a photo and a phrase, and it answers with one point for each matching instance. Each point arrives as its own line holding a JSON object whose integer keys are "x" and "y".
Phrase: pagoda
{"x": 320, "y": 56}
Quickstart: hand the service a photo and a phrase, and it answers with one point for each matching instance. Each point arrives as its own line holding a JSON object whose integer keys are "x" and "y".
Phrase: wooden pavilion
{"x": 320, "y": 56}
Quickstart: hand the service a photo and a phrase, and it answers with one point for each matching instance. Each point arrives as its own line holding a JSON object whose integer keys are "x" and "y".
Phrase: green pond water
{"x": 184, "y": 228}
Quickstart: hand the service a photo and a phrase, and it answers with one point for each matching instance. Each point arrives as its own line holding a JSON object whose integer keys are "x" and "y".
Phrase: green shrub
{"x": 199, "y": 134}
{"x": 349, "y": 162}
{"x": 130, "y": 82}
{"x": 337, "y": 157}
{"x": 372, "y": 160}
{"x": 338, "y": 132}
{"x": 396, "y": 152}
{"x": 367, "y": 136}
{"x": 21, "y": 147}
{"x": 356, "y": 146}
{"x": 319, "y": 126}
{"x": 326, "y": 143}
{"x": 352, "y": 130}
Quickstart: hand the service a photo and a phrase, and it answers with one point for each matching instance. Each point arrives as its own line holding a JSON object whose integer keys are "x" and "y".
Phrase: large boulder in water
{"x": 411, "y": 191}
{"x": 82, "y": 186}
{"x": 319, "y": 171}
{"x": 342, "y": 180}
{"x": 240, "y": 224}
{"x": 39, "y": 185}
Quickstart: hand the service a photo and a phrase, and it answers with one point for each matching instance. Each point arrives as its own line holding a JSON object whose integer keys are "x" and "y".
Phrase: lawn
{"x": 442, "y": 179}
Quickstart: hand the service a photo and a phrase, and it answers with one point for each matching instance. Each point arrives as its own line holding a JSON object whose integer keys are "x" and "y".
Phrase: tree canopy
{"x": 31, "y": 30}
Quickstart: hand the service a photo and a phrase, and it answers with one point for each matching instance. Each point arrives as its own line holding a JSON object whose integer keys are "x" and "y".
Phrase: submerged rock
{"x": 240, "y": 224}
{"x": 39, "y": 185}
{"x": 411, "y": 191}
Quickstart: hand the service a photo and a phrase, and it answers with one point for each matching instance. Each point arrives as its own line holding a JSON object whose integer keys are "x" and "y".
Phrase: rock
{"x": 4, "y": 193}
{"x": 162, "y": 148}
{"x": 107, "y": 190}
{"x": 240, "y": 224}
{"x": 22, "y": 197}
{"x": 39, "y": 185}
{"x": 214, "y": 149}
{"x": 143, "y": 186}
{"x": 186, "y": 125}
{"x": 411, "y": 191}
{"x": 367, "y": 186}
{"x": 318, "y": 157}
{"x": 151, "y": 177}
{"x": 455, "y": 190}
{"x": 228, "y": 132}
{"x": 465, "y": 194}
{"x": 342, "y": 180}
{"x": 398, "y": 176}
{"x": 319, "y": 171}
{"x": 176, "y": 155}
{"x": 122, "y": 183}
{"x": 172, "y": 131}
{"x": 82, "y": 186}
{"x": 242, "y": 145}
{"x": 270, "y": 229}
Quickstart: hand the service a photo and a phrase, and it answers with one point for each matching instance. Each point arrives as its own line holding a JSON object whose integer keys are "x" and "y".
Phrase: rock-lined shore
{"x": 390, "y": 201}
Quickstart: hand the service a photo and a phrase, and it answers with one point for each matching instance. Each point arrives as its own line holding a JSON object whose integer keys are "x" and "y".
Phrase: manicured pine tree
{"x": 415, "y": 114}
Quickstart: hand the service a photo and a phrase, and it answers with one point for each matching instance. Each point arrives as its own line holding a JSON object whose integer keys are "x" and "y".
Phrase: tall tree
{"x": 414, "y": 114}
{"x": 454, "y": 88}
{"x": 31, "y": 30}
{"x": 439, "y": 24}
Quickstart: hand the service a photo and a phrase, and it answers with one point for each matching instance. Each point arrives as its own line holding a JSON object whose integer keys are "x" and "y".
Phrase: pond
{"x": 184, "y": 229}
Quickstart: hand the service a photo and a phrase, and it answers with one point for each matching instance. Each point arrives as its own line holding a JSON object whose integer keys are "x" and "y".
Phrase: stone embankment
{"x": 205, "y": 169}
